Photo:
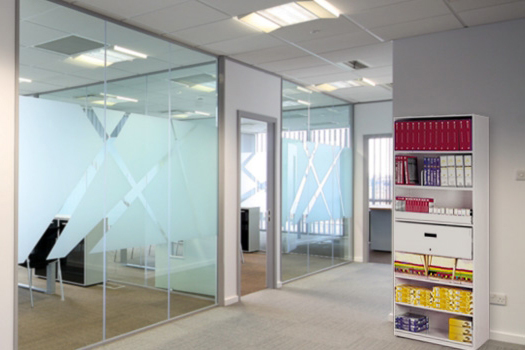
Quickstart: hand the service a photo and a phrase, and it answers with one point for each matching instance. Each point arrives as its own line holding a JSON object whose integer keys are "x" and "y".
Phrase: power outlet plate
{"x": 520, "y": 175}
{"x": 498, "y": 299}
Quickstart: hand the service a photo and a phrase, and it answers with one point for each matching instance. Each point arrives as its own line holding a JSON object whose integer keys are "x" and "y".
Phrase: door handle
{"x": 432, "y": 235}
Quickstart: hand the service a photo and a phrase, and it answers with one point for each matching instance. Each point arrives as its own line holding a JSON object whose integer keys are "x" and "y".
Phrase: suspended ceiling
{"x": 308, "y": 53}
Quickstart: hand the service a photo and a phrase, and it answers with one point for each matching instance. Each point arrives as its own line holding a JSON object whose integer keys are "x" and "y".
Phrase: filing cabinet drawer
{"x": 438, "y": 240}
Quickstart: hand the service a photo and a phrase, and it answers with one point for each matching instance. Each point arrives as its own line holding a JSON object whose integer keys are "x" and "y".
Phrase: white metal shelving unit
{"x": 473, "y": 229}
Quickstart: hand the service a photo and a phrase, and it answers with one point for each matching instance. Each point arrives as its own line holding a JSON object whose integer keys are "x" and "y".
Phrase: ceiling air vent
{"x": 355, "y": 65}
{"x": 70, "y": 45}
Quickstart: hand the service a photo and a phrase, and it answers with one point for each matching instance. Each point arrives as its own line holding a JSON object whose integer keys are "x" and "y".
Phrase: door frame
{"x": 271, "y": 197}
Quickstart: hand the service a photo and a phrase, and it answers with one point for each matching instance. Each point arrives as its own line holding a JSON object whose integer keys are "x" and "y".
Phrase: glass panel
{"x": 61, "y": 179}
{"x": 192, "y": 248}
{"x": 118, "y": 140}
{"x": 317, "y": 182}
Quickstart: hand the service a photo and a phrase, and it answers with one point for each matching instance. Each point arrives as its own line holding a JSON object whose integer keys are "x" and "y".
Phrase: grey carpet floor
{"x": 343, "y": 308}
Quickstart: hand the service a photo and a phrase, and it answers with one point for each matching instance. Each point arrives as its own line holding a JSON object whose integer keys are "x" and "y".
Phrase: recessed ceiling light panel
{"x": 321, "y": 8}
{"x": 288, "y": 14}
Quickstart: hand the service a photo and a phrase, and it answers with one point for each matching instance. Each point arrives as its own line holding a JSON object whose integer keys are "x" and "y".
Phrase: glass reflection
{"x": 317, "y": 178}
{"x": 118, "y": 140}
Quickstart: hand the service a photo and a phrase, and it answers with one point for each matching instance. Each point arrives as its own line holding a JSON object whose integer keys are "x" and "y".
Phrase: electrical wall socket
{"x": 498, "y": 299}
{"x": 520, "y": 175}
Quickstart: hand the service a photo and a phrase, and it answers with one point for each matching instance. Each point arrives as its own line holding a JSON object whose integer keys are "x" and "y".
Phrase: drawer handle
{"x": 432, "y": 235}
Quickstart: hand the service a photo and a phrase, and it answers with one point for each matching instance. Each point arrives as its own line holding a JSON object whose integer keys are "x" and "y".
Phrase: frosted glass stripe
{"x": 57, "y": 143}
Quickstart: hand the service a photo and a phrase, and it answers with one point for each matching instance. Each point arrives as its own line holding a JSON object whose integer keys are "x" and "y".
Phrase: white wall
{"x": 480, "y": 70}
{"x": 250, "y": 90}
{"x": 8, "y": 91}
{"x": 369, "y": 119}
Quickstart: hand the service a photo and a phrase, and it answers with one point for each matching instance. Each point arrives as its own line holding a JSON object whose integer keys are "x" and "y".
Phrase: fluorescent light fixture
{"x": 200, "y": 82}
{"x": 100, "y": 56}
{"x": 326, "y": 87}
{"x": 129, "y": 52}
{"x": 368, "y": 82}
{"x": 126, "y": 99}
{"x": 345, "y": 84}
{"x": 101, "y": 102}
{"x": 204, "y": 88}
{"x": 24, "y": 80}
{"x": 202, "y": 113}
{"x": 180, "y": 116}
{"x": 111, "y": 100}
{"x": 304, "y": 102}
{"x": 300, "y": 88}
{"x": 320, "y": 8}
{"x": 288, "y": 14}
{"x": 92, "y": 61}
{"x": 259, "y": 22}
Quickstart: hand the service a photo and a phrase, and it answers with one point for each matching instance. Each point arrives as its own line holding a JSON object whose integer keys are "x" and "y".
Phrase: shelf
{"x": 434, "y": 281}
{"x": 434, "y": 310}
{"x": 439, "y": 335}
{"x": 434, "y": 152}
{"x": 434, "y": 188}
{"x": 433, "y": 218}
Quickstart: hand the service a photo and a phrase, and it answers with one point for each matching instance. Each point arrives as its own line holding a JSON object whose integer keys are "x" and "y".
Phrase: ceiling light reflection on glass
{"x": 110, "y": 100}
{"x": 306, "y": 103}
{"x": 345, "y": 84}
{"x": 130, "y": 52}
{"x": 303, "y": 89}
{"x": 106, "y": 57}
{"x": 288, "y": 14}
{"x": 24, "y": 80}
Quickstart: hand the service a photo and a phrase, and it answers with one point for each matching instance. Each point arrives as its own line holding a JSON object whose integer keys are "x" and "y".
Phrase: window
{"x": 380, "y": 171}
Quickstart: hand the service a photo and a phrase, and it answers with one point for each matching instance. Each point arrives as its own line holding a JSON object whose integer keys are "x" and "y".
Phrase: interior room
{"x": 236, "y": 174}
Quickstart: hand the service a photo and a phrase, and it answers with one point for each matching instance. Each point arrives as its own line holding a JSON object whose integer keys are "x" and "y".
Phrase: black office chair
{"x": 38, "y": 256}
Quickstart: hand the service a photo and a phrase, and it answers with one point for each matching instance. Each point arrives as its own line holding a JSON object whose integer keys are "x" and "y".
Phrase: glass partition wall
{"x": 316, "y": 182}
{"x": 117, "y": 172}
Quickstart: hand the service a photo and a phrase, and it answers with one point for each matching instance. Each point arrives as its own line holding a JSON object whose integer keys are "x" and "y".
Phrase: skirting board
{"x": 231, "y": 300}
{"x": 508, "y": 337}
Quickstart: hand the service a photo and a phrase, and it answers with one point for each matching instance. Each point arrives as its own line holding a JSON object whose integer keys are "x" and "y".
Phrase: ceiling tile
{"x": 30, "y": 8}
{"x": 493, "y": 14}
{"x": 245, "y": 44}
{"x": 99, "y": 75}
{"x": 374, "y": 72}
{"x": 338, "y": 42}
{"x": 270, "y": 55}
{"x": 465, "y": 5}
{"x": 36, "y": 87}
{"x": 420, "y": 27}
{"x": 70, "y": 21}
{"x": 297, "y": 62}
{"x": 120, "y": 9}
{"x": 35, "y": 73}
{"x": 186, "y": 15}
{"x": 213, "y": 32}
{"x": 45, "y": 60}
{"x": 241, "y": 7}
{"x": 364, "y": 94}
{"x": 33, "y": 34}
{"x": 316, "y": 29}
{"x": 312, "y": 71}
{"x": 376, "y": 55}
{"x": 330, "y": 78}
{"x": 400, "y": 12}
{"x": 68, "y": 80}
